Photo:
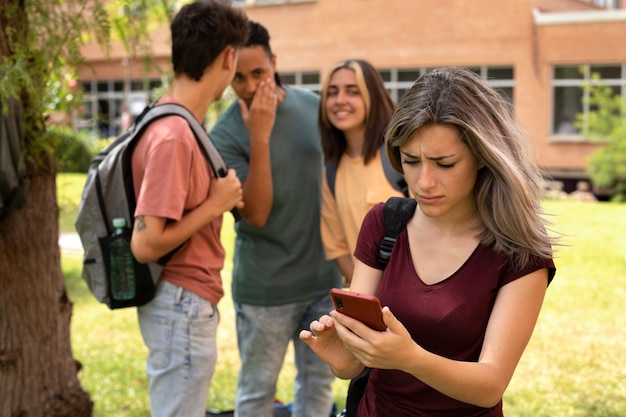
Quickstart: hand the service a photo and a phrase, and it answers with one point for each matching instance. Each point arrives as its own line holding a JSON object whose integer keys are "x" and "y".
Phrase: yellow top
{"x": 358, "y": 188}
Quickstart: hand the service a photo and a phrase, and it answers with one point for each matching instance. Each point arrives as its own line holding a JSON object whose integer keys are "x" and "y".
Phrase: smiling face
{"x": 441, "y": 171}
{"x": 345, "y": 105}
{"x": 253, "y": 66}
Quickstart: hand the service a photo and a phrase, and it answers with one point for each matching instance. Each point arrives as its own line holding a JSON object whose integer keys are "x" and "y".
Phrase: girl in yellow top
{"x": 355, "y": 109}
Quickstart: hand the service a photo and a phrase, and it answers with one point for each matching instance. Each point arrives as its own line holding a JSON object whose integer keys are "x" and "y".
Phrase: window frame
{"x": 585, "y": 78}
{"x": 396, "y": 86}
{"x": 111, "y": 93}
{"x": 299, "y": 79}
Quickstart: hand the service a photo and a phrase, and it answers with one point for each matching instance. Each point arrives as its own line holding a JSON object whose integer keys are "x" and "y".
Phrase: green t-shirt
{"x": 282, "y": 262}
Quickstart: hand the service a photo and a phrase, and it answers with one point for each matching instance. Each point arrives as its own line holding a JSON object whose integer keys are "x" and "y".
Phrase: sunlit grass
{"x": 109, "y": 345}
{"x": 69, "y": 189}
{"x": 574, "y": 366}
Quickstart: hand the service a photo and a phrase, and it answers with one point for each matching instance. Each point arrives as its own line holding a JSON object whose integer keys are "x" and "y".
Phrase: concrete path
{"x": 70, "y": 242}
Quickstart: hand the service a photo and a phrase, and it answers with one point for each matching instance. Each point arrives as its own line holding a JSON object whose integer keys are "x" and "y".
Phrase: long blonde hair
{"x": 509, "y": 187}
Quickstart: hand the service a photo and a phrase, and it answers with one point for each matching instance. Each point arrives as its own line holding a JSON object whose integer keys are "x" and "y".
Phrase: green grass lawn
{"x": 575, "y": 364}
{"x": 69, "y": 190}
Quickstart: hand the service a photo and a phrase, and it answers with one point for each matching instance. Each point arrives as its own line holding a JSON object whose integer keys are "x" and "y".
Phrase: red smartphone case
{"x": 362, "y": 307}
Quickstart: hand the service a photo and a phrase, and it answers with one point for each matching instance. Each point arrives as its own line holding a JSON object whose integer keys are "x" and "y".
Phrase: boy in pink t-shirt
{"x": 179, "y": 203}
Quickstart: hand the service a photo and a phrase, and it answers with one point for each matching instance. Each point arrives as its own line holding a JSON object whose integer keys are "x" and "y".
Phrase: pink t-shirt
{"x": 448, "y": 318}
{"x": 171, "y": 177}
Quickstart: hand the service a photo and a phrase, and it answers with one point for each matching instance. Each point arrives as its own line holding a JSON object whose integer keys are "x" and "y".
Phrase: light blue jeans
{"x": 263, "y": 335}
{"x": 180, "y": 330}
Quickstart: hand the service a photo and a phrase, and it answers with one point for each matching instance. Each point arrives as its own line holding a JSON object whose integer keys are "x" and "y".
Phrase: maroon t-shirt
{"x": 448, "y": 318}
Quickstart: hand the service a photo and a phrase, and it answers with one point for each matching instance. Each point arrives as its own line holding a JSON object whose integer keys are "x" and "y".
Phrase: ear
{"x": 274, "y": 61}
{"x": 230, "y": 58}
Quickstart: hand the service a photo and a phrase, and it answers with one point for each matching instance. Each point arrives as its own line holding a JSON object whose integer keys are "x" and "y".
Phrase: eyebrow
{"x": 346, "y": 86}
{"x": 431, "y": 158}
{"x": 253, "y": 70}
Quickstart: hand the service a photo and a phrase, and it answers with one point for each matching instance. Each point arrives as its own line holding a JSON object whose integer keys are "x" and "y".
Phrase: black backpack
{"x": 14, "y": 182}
{"x": 395, "y": 179}
{"x": 109, "y": 193}
{"x": 396, "y": 213}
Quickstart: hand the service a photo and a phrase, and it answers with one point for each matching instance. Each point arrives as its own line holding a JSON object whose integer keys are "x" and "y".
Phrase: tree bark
{"x": 38, "y": 374}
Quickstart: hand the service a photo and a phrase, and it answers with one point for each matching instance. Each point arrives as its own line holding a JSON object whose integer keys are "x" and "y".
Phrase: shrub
{"x": 71, "y": 149}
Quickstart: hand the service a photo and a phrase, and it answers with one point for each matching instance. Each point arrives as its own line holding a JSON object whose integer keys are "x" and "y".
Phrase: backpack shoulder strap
{"x": 331, "y": 175}
{"x": 208, "y": 148}
{"x": 396, "y": 213}
{"x": 202, "y": 136}
{"x": 395, "y": 178}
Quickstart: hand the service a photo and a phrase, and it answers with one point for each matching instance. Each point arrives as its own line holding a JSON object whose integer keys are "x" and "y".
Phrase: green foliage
{"x": 131, "y": 23}
{"x": 606, "y": 124}
{"x": 45, "y": 39}
{"x": 218, "y": 107}
{"x": 63, "y": 93}
{"x": 71, "y": 149}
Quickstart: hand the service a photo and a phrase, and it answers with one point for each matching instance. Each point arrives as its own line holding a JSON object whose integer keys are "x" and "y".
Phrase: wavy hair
{"x": 379, "y": 107}
{"x": 509, "y": 187}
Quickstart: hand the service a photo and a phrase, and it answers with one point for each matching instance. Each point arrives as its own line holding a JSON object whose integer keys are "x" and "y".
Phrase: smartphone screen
{"x": 362, "y": 307}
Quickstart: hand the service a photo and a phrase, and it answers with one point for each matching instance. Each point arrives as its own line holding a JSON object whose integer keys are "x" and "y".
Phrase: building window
{"x": 569, "y": 93}
{"x": 398, "y": 81}
{"x": 309, "y": 80}
{"x": 608, "y": 4}
{"x": 106, "y": 111}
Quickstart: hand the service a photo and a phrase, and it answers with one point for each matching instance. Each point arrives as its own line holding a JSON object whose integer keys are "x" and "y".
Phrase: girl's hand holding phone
{"x": 362, "y": 307}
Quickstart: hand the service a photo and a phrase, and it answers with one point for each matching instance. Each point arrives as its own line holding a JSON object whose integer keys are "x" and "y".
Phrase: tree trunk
{"x": 38, "y": 374}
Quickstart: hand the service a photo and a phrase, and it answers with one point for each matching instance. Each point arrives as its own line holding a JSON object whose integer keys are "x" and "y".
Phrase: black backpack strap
{"x": 356, "y": 389}
{"x": 396, "y": 213}
{"x": 331, "y": 175}
{"x": 395, "y": 178}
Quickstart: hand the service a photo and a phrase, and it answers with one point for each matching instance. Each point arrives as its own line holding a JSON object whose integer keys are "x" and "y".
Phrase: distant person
{"x": 355, "y": 109}
{"x": 467, "y": 276}
{"x": 180, "y": 203}
{"x": 583, "y": 192}
{"x": 281, "y": 279}
{"x": 566, "y": 127}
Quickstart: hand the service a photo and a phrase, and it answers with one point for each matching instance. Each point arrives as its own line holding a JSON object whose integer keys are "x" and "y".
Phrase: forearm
{"x": 154, "y": 237}
{"x": 477, "y": 383}
{"x": 350, "y": 373}
{"x": 346, "y": 267}
{"x": 258, "y": 191}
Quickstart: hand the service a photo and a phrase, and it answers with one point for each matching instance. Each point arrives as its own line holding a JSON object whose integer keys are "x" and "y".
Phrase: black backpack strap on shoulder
{"x": 396, "y": 179}
{"x": 396, "y": 213}
{"x": 331, "y": 175}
